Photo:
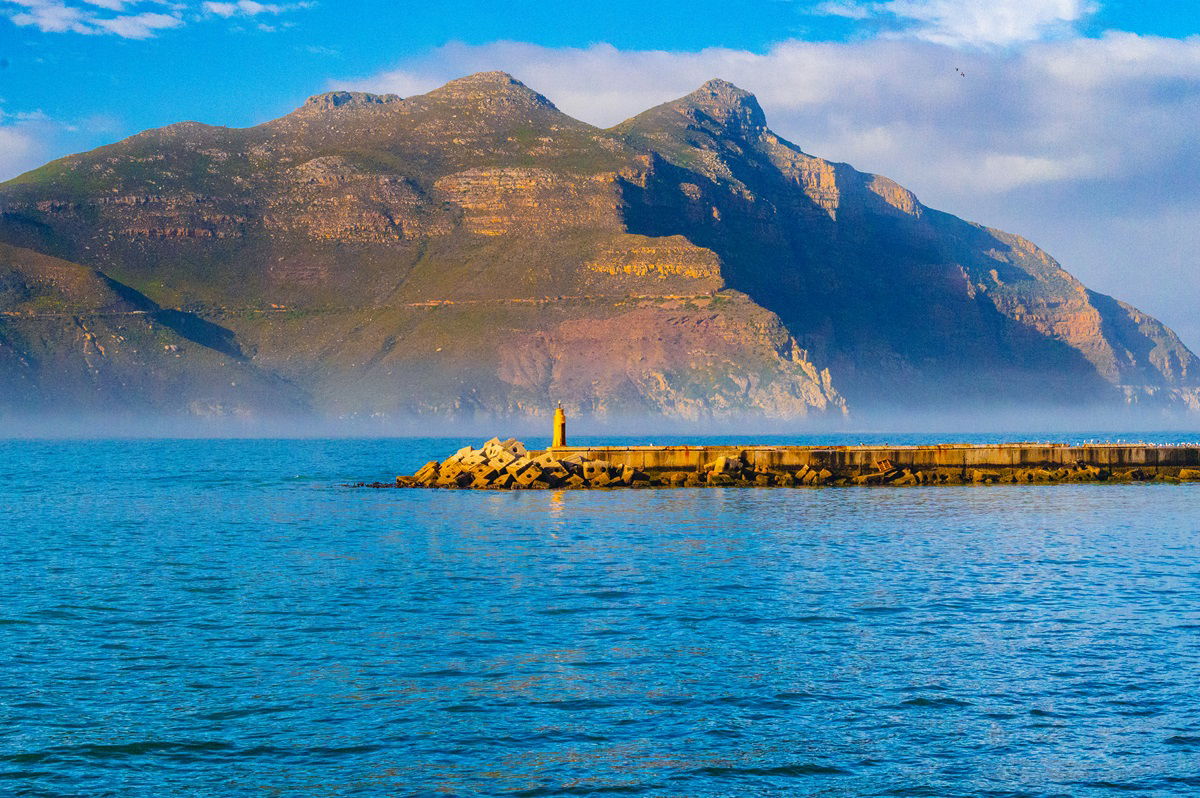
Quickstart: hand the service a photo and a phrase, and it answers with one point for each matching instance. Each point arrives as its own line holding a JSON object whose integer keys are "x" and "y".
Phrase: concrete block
{"x": 518, "y": 465}
{"x": 448, "y": 475}
{"x": 486, "y": 471}
{"x": 515, "y": 447}
{"x": 501, "y": 460}
{"x": 473, "y": 458}
{"x": 551, "y": 467}
{"x": 594, "y": 468}
{"x": 527, "y": 475}
{"x": 427, "y": 473}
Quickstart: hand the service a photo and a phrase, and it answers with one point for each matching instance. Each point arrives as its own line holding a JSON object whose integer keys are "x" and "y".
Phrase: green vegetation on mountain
{"x": 476, "y": 251}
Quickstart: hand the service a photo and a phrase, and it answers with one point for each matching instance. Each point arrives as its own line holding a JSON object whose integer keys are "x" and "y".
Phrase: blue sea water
{"x": 227, "y": 618}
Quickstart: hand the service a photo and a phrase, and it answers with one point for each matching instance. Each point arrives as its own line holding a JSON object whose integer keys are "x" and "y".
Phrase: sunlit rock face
{"x": 475, "y": 251}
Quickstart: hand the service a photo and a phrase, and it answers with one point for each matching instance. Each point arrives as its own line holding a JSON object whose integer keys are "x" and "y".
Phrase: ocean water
{"x": 226, "y": 618}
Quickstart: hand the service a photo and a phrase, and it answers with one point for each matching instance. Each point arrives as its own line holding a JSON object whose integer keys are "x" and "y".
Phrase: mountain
{"x": 474, "y": 250}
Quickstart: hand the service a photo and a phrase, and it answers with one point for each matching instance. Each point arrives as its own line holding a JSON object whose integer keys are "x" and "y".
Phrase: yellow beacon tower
{"x": 559, "y": 439}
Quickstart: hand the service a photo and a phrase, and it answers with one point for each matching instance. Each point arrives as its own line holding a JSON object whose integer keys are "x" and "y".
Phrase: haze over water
{"x": 226, "y": 618}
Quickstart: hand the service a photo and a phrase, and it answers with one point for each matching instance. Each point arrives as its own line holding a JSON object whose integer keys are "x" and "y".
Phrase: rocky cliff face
{"x": 474, "y": 250}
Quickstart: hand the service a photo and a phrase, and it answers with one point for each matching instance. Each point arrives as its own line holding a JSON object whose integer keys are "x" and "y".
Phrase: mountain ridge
{"x": 474, "y": 250}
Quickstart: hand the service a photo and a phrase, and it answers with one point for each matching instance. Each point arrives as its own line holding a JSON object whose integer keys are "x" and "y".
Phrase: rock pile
{"x": 508, "y": 465}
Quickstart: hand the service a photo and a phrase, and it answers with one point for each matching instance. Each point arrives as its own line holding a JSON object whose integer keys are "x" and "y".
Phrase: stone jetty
{"x": 509, "y": 465}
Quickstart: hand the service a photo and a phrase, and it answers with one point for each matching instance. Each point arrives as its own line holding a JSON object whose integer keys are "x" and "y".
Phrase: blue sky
{"x": 225, "y": 64}
{"x": 1075, "y": 125}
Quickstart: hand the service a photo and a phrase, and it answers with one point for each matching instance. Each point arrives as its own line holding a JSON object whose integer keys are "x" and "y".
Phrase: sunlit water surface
{"x": 225, "y": 618}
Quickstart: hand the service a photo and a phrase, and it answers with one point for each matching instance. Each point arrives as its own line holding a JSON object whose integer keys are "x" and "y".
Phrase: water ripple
{"x": 192, "y": 618}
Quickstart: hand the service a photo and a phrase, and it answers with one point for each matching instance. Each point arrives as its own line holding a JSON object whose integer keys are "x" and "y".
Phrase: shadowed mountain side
{"x": 476, "y": 251}
{"x": 906, "y": 305}
{"x": 71, "y": 339}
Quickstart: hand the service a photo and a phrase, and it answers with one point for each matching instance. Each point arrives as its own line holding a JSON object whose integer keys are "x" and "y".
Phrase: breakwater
{"x": 509, "y": 465}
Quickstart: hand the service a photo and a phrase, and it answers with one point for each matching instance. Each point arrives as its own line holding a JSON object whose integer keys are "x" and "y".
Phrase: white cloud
{"x": 27, "y": 139}
{"x": 144, "y": 20}
{"x": 19, "y": 150}
{"x": 968, "y": 23}
{"x": 250, "y": 8}
{"x": 1063, "y": 140}
{"x": 843, "y": 8}
{"x": 58, "y": 16}
{"x": 139, "y": 26}
{"x": 988, "y": 22}
{"x": 52, "y": 16}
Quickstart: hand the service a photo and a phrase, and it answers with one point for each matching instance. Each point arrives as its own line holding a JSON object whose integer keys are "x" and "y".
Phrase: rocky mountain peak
{"x": 490, "y": 87}
{"x": 735, "y": 109}
{"x": 353, "y": 99}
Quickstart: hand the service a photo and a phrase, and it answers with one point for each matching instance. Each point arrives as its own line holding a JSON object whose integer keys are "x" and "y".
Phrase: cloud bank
{"x": 1086, "y": 145}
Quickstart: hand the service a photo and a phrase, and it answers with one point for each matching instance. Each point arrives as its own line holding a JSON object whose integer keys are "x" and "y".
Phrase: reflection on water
{"x": 221, "y": 618}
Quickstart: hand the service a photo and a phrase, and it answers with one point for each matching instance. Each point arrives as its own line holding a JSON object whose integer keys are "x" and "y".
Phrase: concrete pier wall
{"x": 866, "y": 459}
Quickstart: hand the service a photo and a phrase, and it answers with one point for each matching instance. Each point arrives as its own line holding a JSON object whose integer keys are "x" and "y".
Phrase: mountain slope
{"x": 72, "y": 340}
{"x": 905, "y": 304}
{"x": 475, "y": 250}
